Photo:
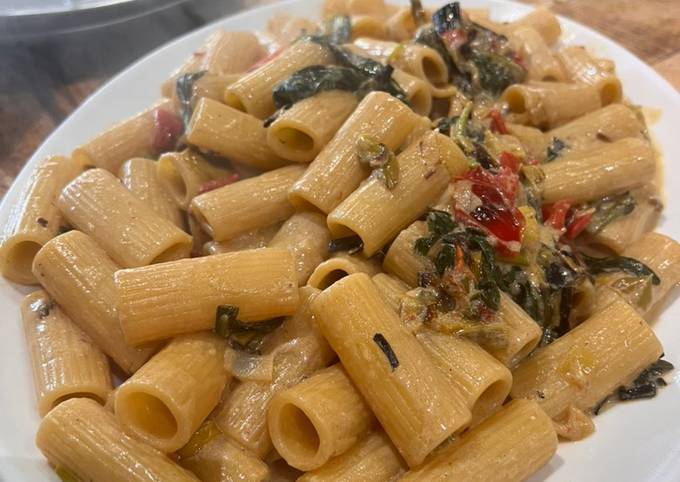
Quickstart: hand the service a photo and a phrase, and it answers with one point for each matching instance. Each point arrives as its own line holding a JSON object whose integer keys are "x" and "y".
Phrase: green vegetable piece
{"x": 554, "y": 149}
{"x": 608, "y": 209}
{"x": 378, "y": 157}
{"x": 497, "y": 72}
{"x": 185, "y": 91}
{"x": 226, "y": 315}
{"x": 619, "y": 263}
{"x": 314, "y": 79}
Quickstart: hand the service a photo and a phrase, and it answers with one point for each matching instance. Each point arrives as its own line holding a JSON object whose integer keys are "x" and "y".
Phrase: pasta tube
{"x": 336, "y": 171}
{"x": 417, "y": 91}
{"x": 79, "y": 276}
{"x": 402, "y": 261}
{"x": 167, "y": 399}
{"x": 372, "y": 458}
{"x": 184, "y": 173}
{"x": 368, "y": 26}
{"x": 623, "y": 231}
{"x": 85, "y": 439}
{"x": 139, "y": 176}
{"x": 482, "y": 380}
{"x": 407, "y": 393}
{"x": 35, "y": 219}
{"x": 134, "y": 137}
{"x": 253, "y": 92}
{"x": 662, "y": 255}
{"x": 306, "y": 236}
{"x": 299, "y": 133}
{"x": 232, "y": 134}
{"x": 609, "y": 124}
{"x": 250, "y": 204}
{"x": 318, "y": 418}
{"x": 298, "y": 351}
{"x": 542, "y": 63}
{"x": 129, "y": 231}
{"x": 581, "y": 67}
{"x": 588, "y": 363}
{"x": 522, "y": 333}
{"x": 377, "y": 213}
{"x": 221, "y": 460}
{"x": 392, "y": 289}
{"x": 65, "y": 362}
{"x": 550, "y": 104}
{"x": 419, "y": 60}
{"x": 231, "y": 52}
{"x": 614, "y": 167}
{"x": 508, "y": 447}
{"x": 258, "y": 238}
{"x": 339, "y": 266}
{"x": 541, "y": 20}
{"x": 261, "y": 283}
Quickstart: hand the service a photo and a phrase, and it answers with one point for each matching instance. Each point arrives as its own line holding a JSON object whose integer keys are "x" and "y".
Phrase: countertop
{"x": 43, "y": 80}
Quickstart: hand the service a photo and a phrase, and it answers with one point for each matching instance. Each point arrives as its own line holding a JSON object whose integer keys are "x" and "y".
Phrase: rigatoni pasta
{"x": 302, "y": 420}
{"x": 336, "y": 171}
{"x": 377, "y": 213}
{"x": 475, "y": 224}
{"x": 79, "y": 276}
{"x": 167, "y": 399}
{"x": 231, "y": 133}
{"x": 139, "y": 176}
{"x": 300, "y": 132}
{"x": 252, "y": 93}
{"x": 372, "y": 458}
{"x": 250, "y": 204}
{"x": 185, "y": 173}
{"x": 403, "y": 383}
{"x": 127, "y": 228}
{"x": 82, "y": 438}
{"x": 36, "y": 219}
{"x": 304, "y": 234}
{"x": 508, "y": 447}
{"x": 66, "y": 363}
{"x": 261, "y": 283}
{"x": 605, "y": 170}
{"x": 144, "y": 135}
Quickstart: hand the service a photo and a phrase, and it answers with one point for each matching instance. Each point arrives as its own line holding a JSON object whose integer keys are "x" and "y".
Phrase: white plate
{"x": 635, "y": 441}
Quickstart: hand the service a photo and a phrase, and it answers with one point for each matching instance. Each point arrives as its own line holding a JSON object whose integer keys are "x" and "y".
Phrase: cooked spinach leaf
{"x": 645, "y": 385}
{"x": 314, "y": 79}
{"x": 241, "y": 335}
{"x": 351, "y": 244}
{"x": 185, "y": 91}
{"x": 447, "y": 18}
{"x": 496, "y": 72}
{"x": 610, "y": 208}
{"x": 623, "y": 264}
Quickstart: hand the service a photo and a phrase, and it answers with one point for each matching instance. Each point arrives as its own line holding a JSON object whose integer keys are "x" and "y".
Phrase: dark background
{"x": 43, "y": 79}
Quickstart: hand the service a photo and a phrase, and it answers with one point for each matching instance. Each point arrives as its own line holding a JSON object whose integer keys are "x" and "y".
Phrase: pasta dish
{"x": 397, "y": 244}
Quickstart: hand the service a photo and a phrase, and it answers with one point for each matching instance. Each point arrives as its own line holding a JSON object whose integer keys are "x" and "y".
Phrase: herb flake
{"x": 384, "y": 345}
{"x": 555, "y": 149}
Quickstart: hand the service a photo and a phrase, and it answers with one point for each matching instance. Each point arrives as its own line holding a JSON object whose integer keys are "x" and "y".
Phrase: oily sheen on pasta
{"x": 390, "y": 243}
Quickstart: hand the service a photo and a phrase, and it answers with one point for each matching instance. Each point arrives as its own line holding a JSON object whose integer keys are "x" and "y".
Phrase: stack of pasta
{"x": 368, "y": 249}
